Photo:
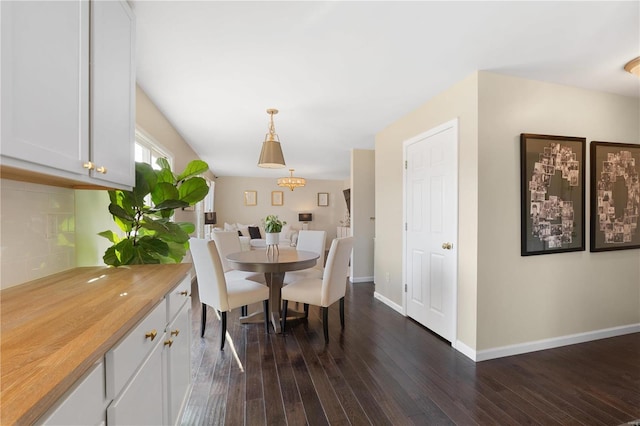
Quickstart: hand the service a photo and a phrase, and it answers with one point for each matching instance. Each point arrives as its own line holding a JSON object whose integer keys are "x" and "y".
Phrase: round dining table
{"x": 274, "y": 265}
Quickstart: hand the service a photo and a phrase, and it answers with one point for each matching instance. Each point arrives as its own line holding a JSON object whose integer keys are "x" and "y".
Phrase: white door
{"x": 431, "y": 198}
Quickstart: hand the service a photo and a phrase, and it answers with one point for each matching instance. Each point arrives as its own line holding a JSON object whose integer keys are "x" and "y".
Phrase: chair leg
{"x": 342, "y": 312}
{"x": 325, "y": 323}
{"x": 203, "y": 319}
{"x": 285, "y": 304}
{"x": 306, "y": 310}
{"x": 224, "y": 330}
{"x": 265, "y": 305}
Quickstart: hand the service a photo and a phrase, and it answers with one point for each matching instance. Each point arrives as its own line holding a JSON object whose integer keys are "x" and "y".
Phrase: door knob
{"x": 447, "y": 246}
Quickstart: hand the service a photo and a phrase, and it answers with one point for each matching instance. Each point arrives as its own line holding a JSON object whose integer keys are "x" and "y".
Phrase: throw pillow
{"x": 230, "y": 227}
{"x": 254, "y": 232}
{"x": 243, "y": 228}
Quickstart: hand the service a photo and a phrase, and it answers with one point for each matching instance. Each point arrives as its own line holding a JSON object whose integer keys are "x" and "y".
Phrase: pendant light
{"x": 271, "y": 155}
{"x": 292, "y": 182}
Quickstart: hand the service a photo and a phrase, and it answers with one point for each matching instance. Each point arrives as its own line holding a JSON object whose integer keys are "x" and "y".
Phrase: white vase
{"x": 273, "y": 238}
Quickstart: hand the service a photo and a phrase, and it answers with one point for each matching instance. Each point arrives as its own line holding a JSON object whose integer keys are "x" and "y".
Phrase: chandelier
{"x": 271, "y": 155}
{"x": 291, "y": 182}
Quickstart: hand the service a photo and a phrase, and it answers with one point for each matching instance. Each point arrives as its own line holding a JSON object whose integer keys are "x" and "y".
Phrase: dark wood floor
{"x": 387, "y": 369}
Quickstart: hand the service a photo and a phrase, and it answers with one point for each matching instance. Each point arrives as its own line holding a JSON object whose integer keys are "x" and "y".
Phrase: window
{"x": 148, "y": 151}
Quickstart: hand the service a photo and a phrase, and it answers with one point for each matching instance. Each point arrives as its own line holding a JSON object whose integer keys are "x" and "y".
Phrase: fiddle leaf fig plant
{"x": 150, "y": 236}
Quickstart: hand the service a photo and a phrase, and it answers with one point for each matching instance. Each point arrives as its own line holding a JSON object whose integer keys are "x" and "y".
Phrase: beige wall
{"x": 459, "y": 101}
{"x": 505, "y": 299}
{"x": 229, "y": 202}
{"x": 531, "y": 298}
{"x": 362, "y": 210}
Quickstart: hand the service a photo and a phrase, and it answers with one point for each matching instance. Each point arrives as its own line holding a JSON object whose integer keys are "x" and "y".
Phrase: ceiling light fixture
{"x": 271, "y": 155}
{"x": 633, "y": 66}
{"x": 292, "y": 182}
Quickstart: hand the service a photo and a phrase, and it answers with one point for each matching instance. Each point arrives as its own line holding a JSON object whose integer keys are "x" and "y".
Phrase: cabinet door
{"x": 45, "y": 62}
{"x": 179, "y": 363}
{"x": 84, "y": 404}
{"x": 112, "y": 92}
{"x": 141, "y": 401}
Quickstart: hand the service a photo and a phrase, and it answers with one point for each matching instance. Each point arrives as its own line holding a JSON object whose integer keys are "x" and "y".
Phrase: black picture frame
{"x": 552, "y": 194}
{"x": 615, "y": 196}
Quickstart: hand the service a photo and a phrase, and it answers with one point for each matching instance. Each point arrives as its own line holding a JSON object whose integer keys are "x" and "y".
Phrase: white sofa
{"x": 288, "y": 236}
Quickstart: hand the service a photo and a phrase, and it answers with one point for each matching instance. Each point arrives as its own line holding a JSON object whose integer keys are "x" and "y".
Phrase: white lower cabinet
{"x": 84, "y": 404}
{"x": 149, "y": 378}
{"x": 178, "y": 361}
{"x": 142, "y": 400}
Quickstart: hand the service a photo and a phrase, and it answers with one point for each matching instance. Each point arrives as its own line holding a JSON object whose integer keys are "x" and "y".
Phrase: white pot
{"x": 273, "y": 238}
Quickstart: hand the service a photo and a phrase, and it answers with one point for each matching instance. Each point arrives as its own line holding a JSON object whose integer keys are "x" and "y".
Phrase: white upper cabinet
{"x": 45, "y": 70}
{"x": 68, "y": 90}
{"x": 112, "y": 91}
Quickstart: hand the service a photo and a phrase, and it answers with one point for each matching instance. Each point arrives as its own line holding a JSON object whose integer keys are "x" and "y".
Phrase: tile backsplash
{"x": 37, "y": 231}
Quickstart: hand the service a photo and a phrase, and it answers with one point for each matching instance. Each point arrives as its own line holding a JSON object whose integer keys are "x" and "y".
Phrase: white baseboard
{"x": 389, "y": 303}
{"x": 464, "y": 350}
{"x": 543, "y": 344}
{"x": 361, "y": 279}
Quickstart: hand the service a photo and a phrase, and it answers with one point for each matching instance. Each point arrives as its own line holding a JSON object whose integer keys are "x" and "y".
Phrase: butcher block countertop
{"x": 55, "y": 328}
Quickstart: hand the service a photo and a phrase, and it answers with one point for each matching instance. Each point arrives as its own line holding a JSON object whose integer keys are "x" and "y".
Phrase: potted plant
{"x": 273, "y": 227}
{"x": 150, "y": 236}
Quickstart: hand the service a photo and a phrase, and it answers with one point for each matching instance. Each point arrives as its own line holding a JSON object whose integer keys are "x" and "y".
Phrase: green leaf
{"x": 158, "y": 225}
{"x": 141, "y": 256}
{"x": 163, "y": 163}
{"x": 175, "y": 233}
{"x": 177, "y": 251}
{"x": 165, "y": 175}
{"x": 187, "y": 227}
{"x": 145, "y": 182}
{"x": 109, "y": 235}
{"x": 164, "y": 191}
{"x": 193, "y": 190}
{"x": 154, "y": 246}
{"x": 169, "y": 204}
{"x": 120, "y": 213}
{"x": 124, "y": 251}
{"x": 110, "y": 257}
{"x": 195, "y": 167}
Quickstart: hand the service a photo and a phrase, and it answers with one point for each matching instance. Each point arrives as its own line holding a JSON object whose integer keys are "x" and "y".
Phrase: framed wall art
{"x": 250, "y": 198}
{"x": 615, "y": 196}
{"x": 552, "y": 194}
{"x": 277, "y": 198}
{"x": 323, "y": 199}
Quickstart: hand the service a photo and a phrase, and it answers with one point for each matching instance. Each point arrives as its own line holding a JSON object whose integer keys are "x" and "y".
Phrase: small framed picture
{"x": 250, "y": 198}
{"x": 277, "y": 198}
{"x": 323, "y": 199}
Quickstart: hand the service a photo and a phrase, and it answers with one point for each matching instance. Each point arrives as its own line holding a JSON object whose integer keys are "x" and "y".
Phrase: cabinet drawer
{"x": 177, "y": 297}
{"x": 122, "y": 361}
{"x": 84, "y": 404}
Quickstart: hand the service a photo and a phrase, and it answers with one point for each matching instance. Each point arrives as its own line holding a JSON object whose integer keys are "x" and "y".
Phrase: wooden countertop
{"x": 55, "y": 328}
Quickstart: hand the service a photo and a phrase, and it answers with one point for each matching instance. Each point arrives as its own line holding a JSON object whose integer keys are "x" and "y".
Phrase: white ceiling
{"x": 339, "y": 72}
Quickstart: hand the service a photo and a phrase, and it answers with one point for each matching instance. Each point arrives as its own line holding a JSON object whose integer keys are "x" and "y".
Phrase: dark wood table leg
{"x": 274, "y": 281}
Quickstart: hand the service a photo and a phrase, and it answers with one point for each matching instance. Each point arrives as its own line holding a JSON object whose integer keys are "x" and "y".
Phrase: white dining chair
{"x": 326, "y": 291}
{"x": 218, "y": 292}
{"x": 313, "y": 241}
